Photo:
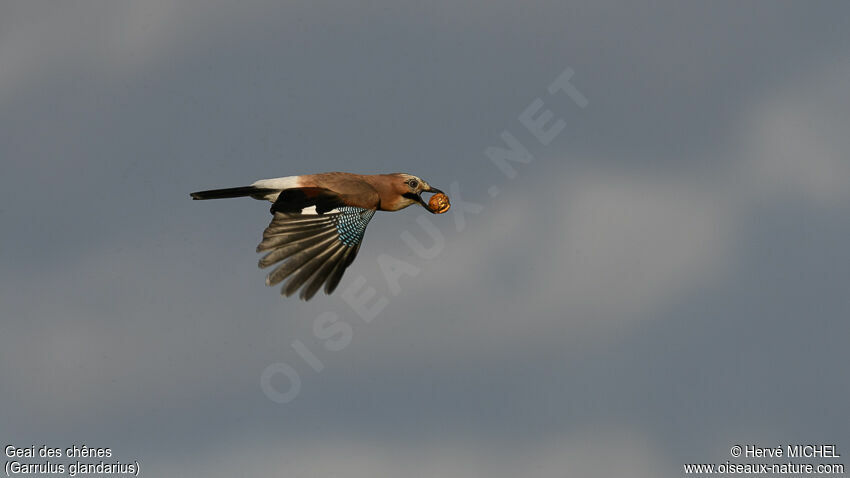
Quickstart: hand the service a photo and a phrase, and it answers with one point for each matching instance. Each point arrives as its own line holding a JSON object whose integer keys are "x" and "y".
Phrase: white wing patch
{"x": 312, "y": 211}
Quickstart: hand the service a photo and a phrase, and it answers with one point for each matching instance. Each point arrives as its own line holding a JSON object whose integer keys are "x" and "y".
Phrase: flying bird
{"x": 319, "y": 221}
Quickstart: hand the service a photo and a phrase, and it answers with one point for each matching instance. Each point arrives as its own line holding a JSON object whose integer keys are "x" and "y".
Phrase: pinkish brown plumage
{"x": 319, "y": 221}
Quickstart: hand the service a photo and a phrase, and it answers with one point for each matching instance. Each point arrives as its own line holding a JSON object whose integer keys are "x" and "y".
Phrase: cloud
{"x": 795, "y": 140}
{"x": 561, "y": 258}
{"x": 601, "y": 452}
{"x": 566, "y": 255}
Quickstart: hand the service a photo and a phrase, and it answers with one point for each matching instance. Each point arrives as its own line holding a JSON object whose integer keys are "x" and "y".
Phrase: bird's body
{"x": 319, "y": 221}
{"x": 377, "y": 191}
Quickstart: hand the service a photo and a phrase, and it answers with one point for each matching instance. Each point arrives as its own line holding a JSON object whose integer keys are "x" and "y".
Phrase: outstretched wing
{"x": 312, "y": 249}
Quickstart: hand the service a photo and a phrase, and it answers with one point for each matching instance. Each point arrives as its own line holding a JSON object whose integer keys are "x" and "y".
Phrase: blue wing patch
{"x": 351, "y": 224}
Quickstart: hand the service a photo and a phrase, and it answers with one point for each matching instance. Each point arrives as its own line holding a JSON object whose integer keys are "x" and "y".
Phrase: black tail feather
{"x": 232, "y": 193}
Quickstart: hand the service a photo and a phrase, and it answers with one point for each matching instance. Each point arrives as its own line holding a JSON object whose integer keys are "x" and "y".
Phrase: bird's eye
{"x": 413, "y": 183}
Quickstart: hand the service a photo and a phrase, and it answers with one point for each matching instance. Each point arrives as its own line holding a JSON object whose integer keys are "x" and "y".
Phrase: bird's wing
{"x": 327, "y": 191}
{"x": 312, "y": 249}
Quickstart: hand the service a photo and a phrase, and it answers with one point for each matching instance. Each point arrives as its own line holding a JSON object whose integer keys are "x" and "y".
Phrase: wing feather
{"x": 294, "y": 239}
{"x": 295, "y": 261}
{"x": 307, "y": 269}
{"x": 343, "y": 263}
{"x": 323, "y": 273}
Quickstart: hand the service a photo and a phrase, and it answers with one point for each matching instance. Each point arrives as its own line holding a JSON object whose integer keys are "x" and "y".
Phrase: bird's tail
{"x": 239, "y": 192}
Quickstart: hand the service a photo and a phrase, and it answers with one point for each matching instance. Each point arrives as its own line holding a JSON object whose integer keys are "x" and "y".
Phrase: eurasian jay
{"x": 319, "y": 221}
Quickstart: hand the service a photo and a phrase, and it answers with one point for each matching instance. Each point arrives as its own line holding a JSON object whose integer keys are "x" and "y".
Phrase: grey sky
{"x": 667, "y": 278}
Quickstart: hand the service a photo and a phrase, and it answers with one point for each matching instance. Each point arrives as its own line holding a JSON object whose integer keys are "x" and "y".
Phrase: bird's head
{"x": 409, "y": 189}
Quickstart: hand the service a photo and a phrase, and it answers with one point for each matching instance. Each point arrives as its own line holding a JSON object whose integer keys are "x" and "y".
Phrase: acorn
{"x": 439, "y": 203}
